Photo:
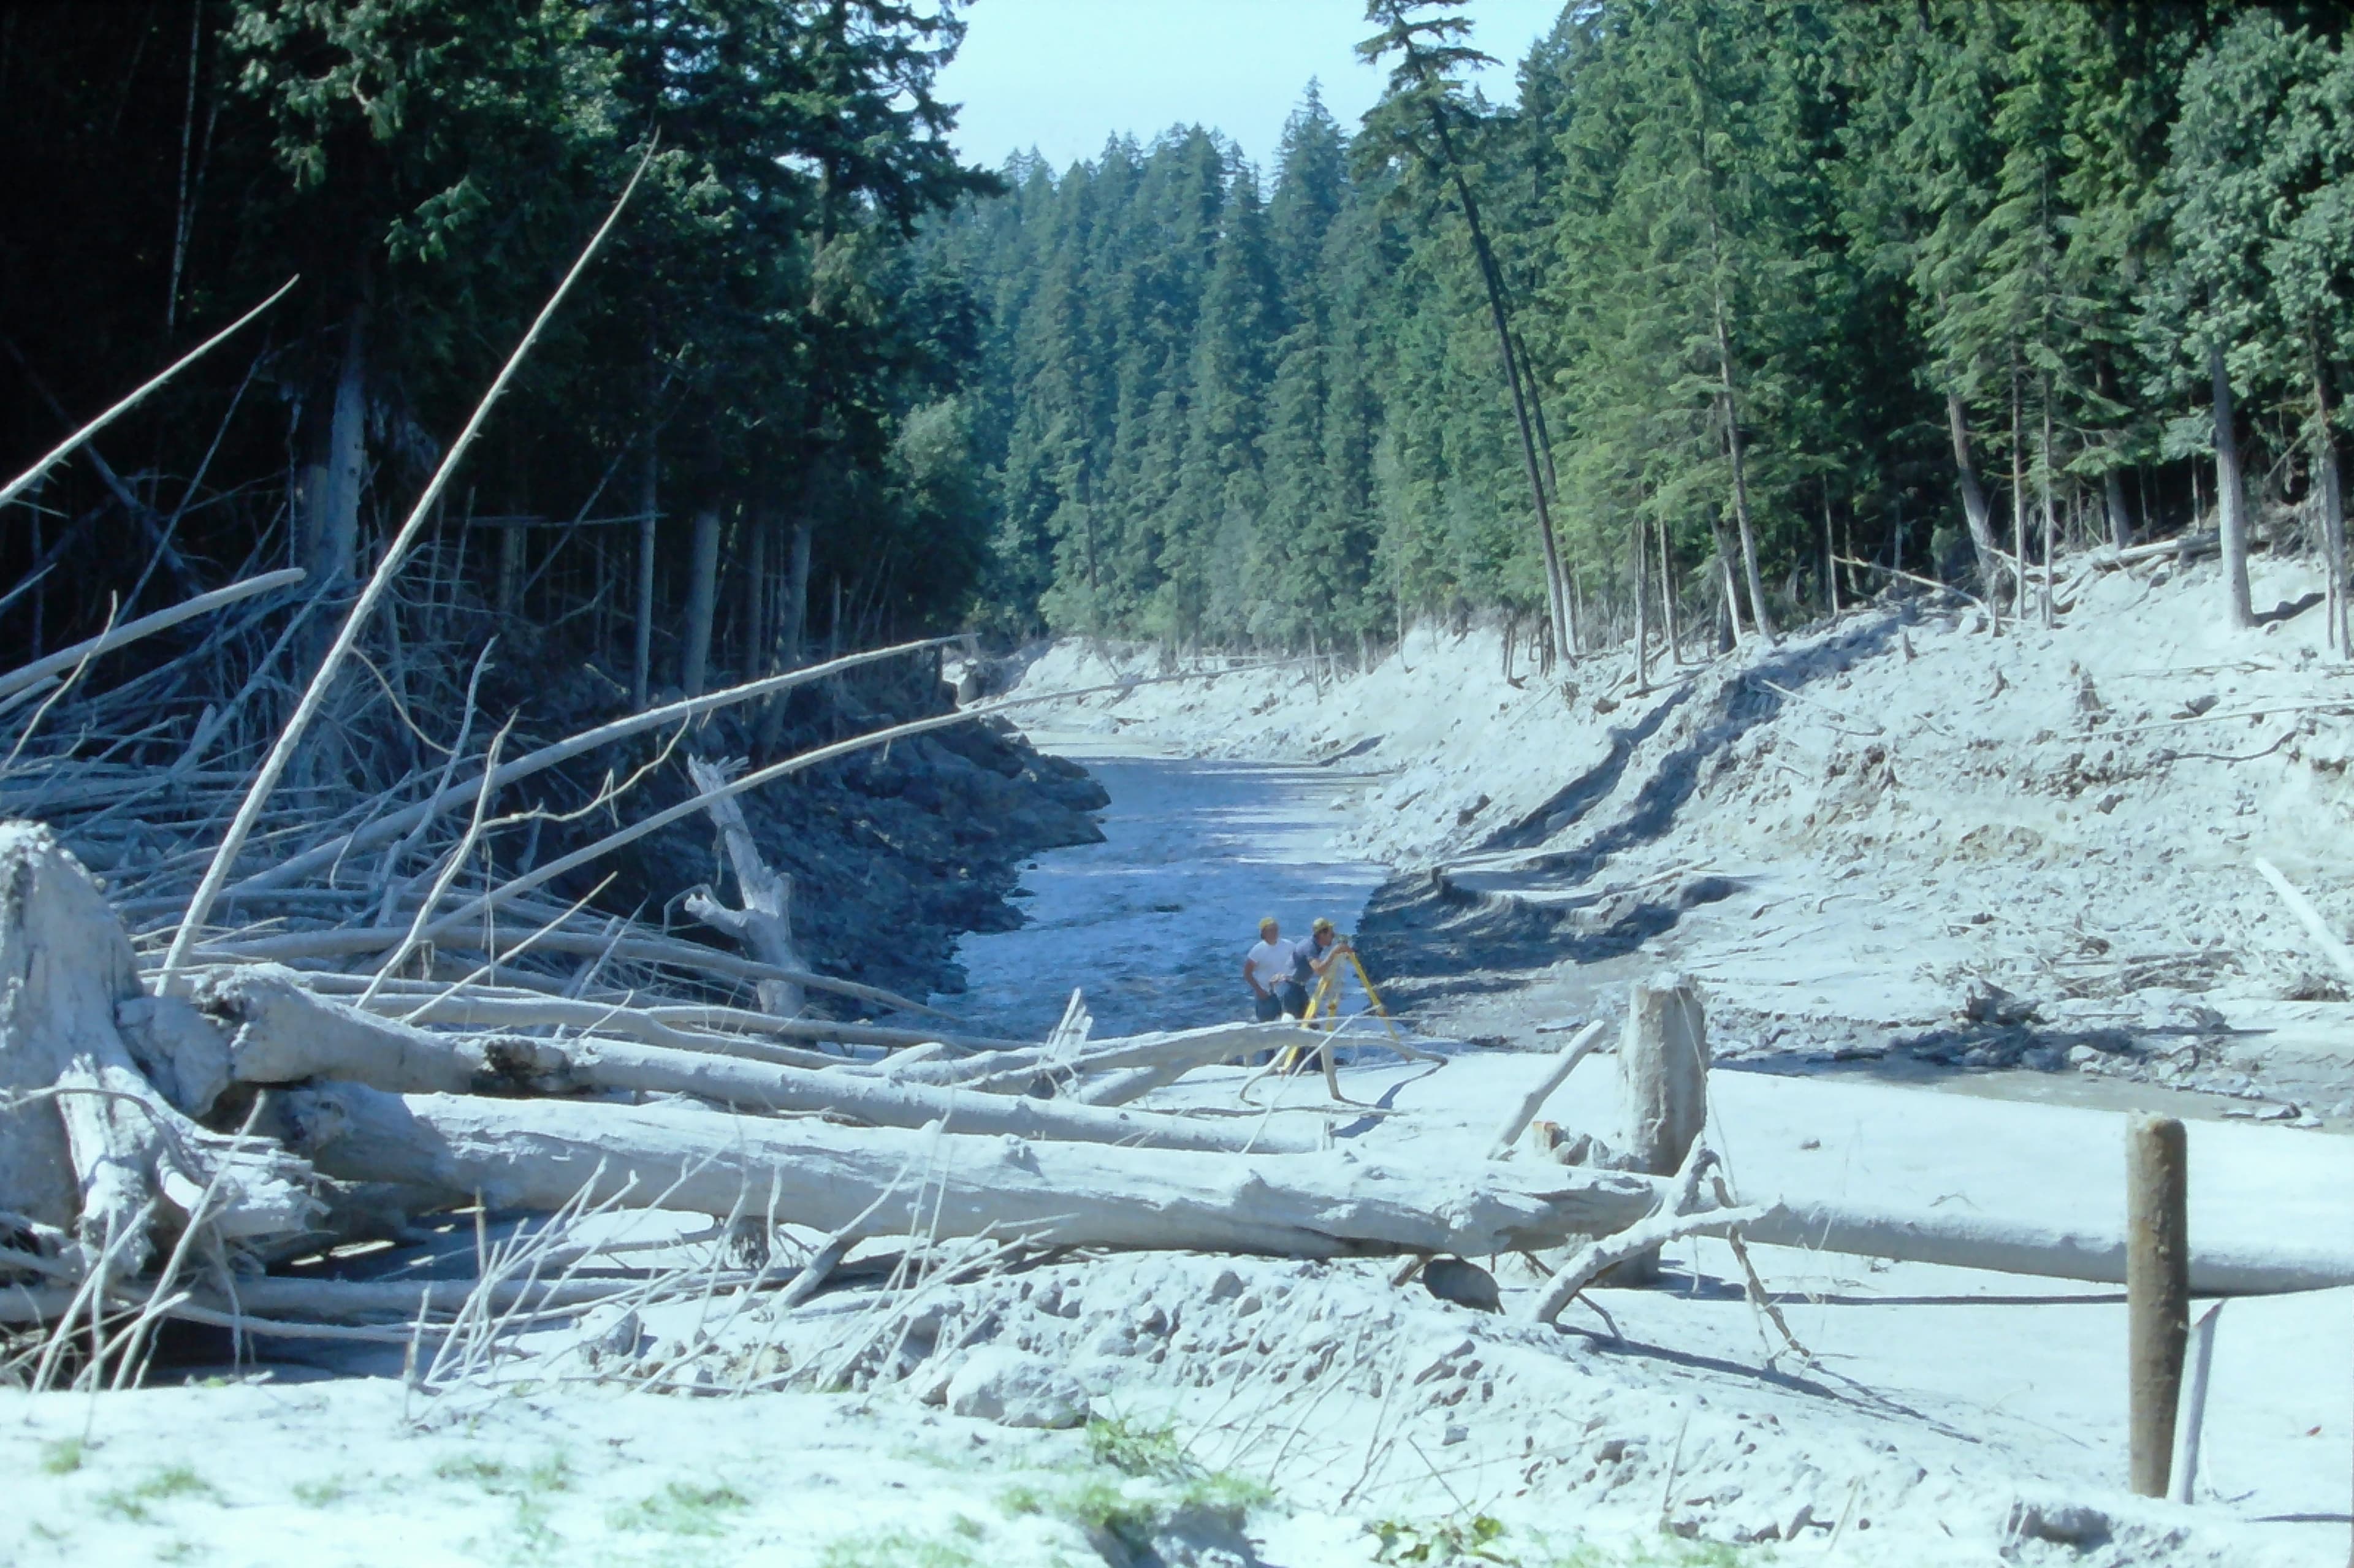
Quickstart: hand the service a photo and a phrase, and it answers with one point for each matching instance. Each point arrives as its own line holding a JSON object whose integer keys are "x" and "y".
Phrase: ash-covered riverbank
{"x": 896, "y": 851}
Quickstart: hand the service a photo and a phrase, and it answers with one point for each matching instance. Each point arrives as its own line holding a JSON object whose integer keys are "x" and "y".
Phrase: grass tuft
{"x": 552, "y": 1474}
{"x": 131, "y": 1502}
{"x": 1131, "y": 1510}
{"x": 899, "y": 1550}
{"x": 63, "y": 1456}
{"x": 489, "y": 1473}
{"x": 321, "y": 1494}
{"x": 1137, "y": 1450}
{"x": 1479, "y": 1538}
{"x": 1097, "y": 1504}
{"x": 681, "y": 1509}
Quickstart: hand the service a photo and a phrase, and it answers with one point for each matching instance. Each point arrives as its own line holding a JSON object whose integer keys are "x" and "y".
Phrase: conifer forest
{"x": 1736, "y": 304}
{"x": 1737, "y": 300}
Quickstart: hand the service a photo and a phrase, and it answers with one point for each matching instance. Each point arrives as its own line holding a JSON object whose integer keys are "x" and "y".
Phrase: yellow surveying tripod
{"x": 1327, "y": 999}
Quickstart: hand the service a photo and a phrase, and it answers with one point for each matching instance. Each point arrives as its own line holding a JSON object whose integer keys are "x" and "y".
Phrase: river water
{"x": 1153, "y": 922}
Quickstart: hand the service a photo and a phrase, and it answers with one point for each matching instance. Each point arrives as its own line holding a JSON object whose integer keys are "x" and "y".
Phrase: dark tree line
{"x": 744, "y": 440}
{"x": 1742, "y": 294}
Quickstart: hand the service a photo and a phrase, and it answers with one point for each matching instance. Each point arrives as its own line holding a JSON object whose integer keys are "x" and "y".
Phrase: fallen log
{"x": 64, "y": 449}
{"x": 1129, "y": 1084}
{"x": 2048, "y": 1252}
{"x": 1640, "y": 1240}
{"x": 749, "y": 1086}
{"x": 2187, "y": 546}
{"x": 2312, "y": 919}
{"x": 663, "y": 1025}
{"x": 1564, "y": 1062}
{"x": 383, "y": 830}
{"x": 513, "y": 1012}
{"x": 343, "y": 941}
{"x": 272, "y": 1032}
{"x": 25, "y": 676}
{"x": 1012, "y": 1072}
{"x": 543, "y": 1154}
{"x": 1634, "y": 1252}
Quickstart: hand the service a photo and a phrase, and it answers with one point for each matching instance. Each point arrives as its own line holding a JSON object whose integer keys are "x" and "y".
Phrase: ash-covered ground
{"x": 1894, "y": 877}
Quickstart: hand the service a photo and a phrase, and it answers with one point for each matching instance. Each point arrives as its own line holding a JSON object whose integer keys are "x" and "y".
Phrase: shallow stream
{"x": 1153, "y": 922}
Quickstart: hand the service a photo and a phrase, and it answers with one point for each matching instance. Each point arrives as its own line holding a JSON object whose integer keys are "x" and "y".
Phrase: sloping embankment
{"x": 1895, "y": 844}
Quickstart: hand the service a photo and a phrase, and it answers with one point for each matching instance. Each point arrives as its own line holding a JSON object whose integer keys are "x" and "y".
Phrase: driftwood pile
{"x": 167, "y": 1137}
{"x": 240, "y": 1055}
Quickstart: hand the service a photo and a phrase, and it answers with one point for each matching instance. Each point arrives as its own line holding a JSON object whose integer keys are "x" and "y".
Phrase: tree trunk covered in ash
{"x": 2112, "y": 500}
{"x": 1975, "y": 511}
{"x": 92, "y": 1144}
{"x": 702, "y": 572}
{"x": 541, "y": 1154}
{"x": 642, "y": 658}
{"x": 2231, "y": 495}
{"x": 334, "y": 468}
{"x": 2333, "y": 510}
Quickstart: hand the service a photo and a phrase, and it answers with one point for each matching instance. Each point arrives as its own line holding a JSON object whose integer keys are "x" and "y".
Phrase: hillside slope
{"x": 1895, "y": 844}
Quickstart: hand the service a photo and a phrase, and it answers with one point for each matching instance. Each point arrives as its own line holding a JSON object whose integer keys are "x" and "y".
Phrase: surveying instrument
{"x": 1326, "y": 1001}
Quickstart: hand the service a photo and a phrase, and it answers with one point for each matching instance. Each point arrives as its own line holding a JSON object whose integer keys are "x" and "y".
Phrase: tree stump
{"x": 94, "y": 1148}
{"x": 1663, "y": 1088}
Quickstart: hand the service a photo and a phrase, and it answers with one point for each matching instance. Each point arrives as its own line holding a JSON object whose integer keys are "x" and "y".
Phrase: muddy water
{"x": 1153, "y": 922}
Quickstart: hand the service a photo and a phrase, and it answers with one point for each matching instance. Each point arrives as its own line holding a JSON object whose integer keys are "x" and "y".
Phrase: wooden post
{"x": 2158, "y": 1291}
{"x": 1663, "y": 1084}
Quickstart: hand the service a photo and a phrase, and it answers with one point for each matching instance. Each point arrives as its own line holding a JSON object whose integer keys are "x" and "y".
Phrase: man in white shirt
{"x": 1266, "y": 970}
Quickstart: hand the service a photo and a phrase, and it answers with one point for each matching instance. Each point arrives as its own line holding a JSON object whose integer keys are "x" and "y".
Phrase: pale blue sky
{"x": 1063, "y": 75}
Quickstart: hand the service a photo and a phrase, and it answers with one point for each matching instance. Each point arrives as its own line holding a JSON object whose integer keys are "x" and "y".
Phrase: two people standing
{"x": 1282, "y": 974}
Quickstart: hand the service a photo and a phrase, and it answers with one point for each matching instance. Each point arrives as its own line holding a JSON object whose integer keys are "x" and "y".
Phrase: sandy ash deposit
{"x": 1955, "y": 902}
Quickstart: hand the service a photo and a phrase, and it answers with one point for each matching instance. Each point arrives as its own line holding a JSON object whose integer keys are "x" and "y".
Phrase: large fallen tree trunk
{"x": 663, "y": 1025}
{"x": 346, "y": 941}
{"x": 542, "y": 1154}
{"x": 1172, "y": 1051}
{"x": 2049, "y": 1252}
{"x": 268, "y": 1030}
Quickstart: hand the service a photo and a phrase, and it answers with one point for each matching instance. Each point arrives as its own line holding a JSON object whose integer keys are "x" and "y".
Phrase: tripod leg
{"x": 1366, "y": 981}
